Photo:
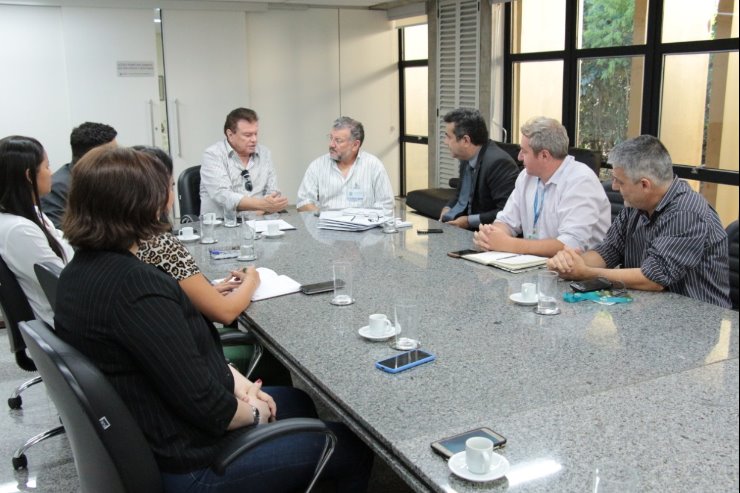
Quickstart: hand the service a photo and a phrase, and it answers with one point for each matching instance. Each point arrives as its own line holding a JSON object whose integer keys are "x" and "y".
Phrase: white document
{"x": 512, "y": 262}
{"x": 261, "y": 226}
{"x": 272, "y": 285}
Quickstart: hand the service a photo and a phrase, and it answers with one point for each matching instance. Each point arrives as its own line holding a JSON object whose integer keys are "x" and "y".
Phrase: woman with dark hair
{"x": 27, "y": 236}
{"x": 220, "y": 303}
{"x": 138, "y": 326}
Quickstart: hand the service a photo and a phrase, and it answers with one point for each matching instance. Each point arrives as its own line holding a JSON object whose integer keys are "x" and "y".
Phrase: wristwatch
{"x": 255, "y": 416}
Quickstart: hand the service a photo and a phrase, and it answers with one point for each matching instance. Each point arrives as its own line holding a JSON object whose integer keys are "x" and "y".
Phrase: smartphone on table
{"x": 319, "y": 287}
{"x": 404, "y": 361}
{"x": 428, "y": 231}
{"x": 460, "y": 253}
{"x": 589, "y": 285}
{"x": 447, "y": 447}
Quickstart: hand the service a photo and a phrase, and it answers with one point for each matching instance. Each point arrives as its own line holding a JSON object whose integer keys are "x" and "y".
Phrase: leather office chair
{"x": 733, "y": 237}
{"x": 232, "y": 340}
{"x": 16, "y": 310}
{"x": 188, "y": 194}
{"x": 109, "y": 449}
{"x": 615, "y": 199}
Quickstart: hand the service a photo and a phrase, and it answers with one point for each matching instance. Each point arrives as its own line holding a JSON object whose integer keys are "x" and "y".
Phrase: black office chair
{"x": 109, "y": 449}
{"x": 48, "y": 277}
{"x": 16, "y": 310}
{"x": 733, "y": 237}
{"x": 615, "y": 198}
{"x": 188, "y": 194}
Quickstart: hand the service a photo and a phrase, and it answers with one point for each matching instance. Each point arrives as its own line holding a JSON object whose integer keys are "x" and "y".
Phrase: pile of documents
{"x": 354, "y": 219}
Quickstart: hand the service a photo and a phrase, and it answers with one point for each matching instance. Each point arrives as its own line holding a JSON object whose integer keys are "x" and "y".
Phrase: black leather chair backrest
{"x": 615, "y": 199}
{"x": 188, "y": 190}
{"x": 16, "y": 310}
{"x": 590, "y": 158}
{"x": 110, "y": 451}
{"x": 48, "y": 276}
{"x": 733, "y": 237}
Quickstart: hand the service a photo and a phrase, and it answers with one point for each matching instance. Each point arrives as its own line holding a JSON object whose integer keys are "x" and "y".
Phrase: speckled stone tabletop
{"x": 652, "y": 384}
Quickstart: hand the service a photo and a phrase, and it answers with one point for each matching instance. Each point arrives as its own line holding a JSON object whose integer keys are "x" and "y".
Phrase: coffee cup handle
{"x": 387, "y": 323}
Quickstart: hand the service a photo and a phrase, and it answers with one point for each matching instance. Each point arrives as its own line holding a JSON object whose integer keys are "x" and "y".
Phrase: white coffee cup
{"x": 529, "y": 291}
{"x": 378, "y": 325}
{"x": 186, "y": 232}
{"x": 273, "y": 228}
{"x": 478, "y": 454}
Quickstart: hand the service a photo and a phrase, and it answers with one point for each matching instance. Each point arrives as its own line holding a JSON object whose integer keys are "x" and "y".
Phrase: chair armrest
{"x": 454, "y": 182}
{"x": 258, "y": 435}
{"x": 234, "y": 338}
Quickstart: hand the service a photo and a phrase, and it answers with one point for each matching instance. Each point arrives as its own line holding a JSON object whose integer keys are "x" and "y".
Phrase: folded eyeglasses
{"x": 247, "y": 180}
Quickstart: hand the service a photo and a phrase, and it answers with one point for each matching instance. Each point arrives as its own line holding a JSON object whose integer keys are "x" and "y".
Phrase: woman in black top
{"x": 136, "y": 324}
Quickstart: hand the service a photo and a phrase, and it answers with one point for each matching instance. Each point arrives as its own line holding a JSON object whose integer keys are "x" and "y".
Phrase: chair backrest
{"x": 590, "y": 158}
{"x": 109, "y": 449}
{"x": 733, "y": 237}
{"x": 16, "y": 310}
{"x": 188, "y": 192}
{"x": 48, "y": 276}
{"x": 615, "y": 198}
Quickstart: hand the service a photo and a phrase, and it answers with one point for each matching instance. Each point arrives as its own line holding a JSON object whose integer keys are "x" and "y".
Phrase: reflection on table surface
{"x": 652, "y": 383}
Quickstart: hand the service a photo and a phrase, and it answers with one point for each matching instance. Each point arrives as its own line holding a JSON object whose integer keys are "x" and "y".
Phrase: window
{"x": 614, "y": 69}
{"x": 413, "y": 68}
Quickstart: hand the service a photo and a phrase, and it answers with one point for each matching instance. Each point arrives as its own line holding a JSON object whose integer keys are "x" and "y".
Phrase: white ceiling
{"x": 247, "y": 5}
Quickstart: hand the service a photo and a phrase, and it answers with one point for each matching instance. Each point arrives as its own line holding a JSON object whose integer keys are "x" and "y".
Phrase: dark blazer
{"x": 493, "y": 181}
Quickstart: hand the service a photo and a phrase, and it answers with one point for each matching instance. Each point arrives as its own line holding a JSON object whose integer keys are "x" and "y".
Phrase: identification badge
{"x": 355, "y": 195}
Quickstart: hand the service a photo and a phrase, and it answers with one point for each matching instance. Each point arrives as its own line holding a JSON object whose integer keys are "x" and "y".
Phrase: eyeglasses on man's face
{"x": 247, "y": 180}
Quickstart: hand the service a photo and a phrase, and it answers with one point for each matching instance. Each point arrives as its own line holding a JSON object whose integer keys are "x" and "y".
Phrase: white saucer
{"x": 276, "y": 235}
{"x": 217, "y": 222}
{"x": 499, "y": 468}
{"x": 209, "y": 242}
{"x": 364, "y": 332}
{"x": 517, "y": 298}
{"x": 188, "y": 238}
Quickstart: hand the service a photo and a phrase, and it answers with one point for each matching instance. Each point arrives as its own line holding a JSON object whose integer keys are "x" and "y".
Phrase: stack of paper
{"x": 272, "y": 285}
{"x": 511, "y": 262}
{"x": 351, "y": 219}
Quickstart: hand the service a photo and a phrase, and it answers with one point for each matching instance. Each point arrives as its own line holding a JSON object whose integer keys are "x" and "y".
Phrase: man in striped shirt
{"x": 346, "y": 176}
{"x": 666, "y": 238}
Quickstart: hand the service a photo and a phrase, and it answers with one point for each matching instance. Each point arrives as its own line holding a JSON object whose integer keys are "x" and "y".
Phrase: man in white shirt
{"x": 557, "y": 201}
{"x": 346, "y": 176}
{"x": 237, "y": 173}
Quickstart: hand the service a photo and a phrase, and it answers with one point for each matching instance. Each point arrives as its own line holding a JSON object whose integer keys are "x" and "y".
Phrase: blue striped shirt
{"x": 682, "y": 247}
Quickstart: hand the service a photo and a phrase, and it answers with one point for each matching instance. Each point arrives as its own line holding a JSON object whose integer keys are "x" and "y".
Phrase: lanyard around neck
{"x": 539, "y": 202}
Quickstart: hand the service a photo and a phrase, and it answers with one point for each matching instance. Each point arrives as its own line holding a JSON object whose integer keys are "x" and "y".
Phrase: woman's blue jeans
{"x": 287, "y": 463}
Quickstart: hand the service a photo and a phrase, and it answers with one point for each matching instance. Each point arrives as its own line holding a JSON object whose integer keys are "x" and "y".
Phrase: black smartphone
{"x": 404, "y": 361}
{"x": 591, "y": 285}
{"x": 319, "y": 287}
{"x": 460, "y": 253}
{"x": 428, "y": 231}
{"x": 447, "y": 447}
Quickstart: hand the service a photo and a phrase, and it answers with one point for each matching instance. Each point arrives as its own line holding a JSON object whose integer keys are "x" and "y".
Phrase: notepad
{"x": 272, "y": 285}
{"x": 510, "y": 262}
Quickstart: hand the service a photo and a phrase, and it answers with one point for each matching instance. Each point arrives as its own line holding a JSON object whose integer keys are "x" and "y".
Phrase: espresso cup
{"x": 186, "y": 232}
{"x": 529, "y": 291}
{"x": 273, "y": 228}
{"x": 378, "y": 325}
{"x": 478, "y": 454}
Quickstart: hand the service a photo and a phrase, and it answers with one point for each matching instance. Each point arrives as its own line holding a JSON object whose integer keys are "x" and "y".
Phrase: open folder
{"x": 511, "y": 262}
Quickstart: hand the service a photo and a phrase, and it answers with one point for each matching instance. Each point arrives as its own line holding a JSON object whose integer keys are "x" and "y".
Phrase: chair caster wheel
{"x": 20, "y": 462}
{"x": 15, "y": 402}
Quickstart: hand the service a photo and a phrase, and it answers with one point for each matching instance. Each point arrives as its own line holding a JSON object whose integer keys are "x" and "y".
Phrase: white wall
{"x": 306, "y": 68}
{"x": 33, "y": 85}
{"x": 299, "y": 69}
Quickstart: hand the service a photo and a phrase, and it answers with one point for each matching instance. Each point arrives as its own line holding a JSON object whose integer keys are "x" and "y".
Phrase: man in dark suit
{"x": 487, "y": 173}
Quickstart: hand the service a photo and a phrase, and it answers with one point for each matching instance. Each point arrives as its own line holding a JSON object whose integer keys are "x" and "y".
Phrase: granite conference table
{"x": 652, "y": 384}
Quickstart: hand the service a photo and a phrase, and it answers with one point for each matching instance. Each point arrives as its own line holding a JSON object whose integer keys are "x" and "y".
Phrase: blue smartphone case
{"x": 398, "y": 369}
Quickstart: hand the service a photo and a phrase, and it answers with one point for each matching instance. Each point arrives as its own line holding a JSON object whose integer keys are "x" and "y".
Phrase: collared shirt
{"x": 366, "y": 185}
{"x": 574, "y": 209}
{"x": 221, "y": 182}
{"x": 682, "y": 246}
{"x": 464, "y": 199}
{"x": 23, "y": 244}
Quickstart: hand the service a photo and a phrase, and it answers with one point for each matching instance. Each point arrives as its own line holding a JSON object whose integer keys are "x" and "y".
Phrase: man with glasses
{"x": 237, "y": 173}
{"x": 346, "y": 176}
{"x": 557, "y": 201}
{"x": 667, "y": 237}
